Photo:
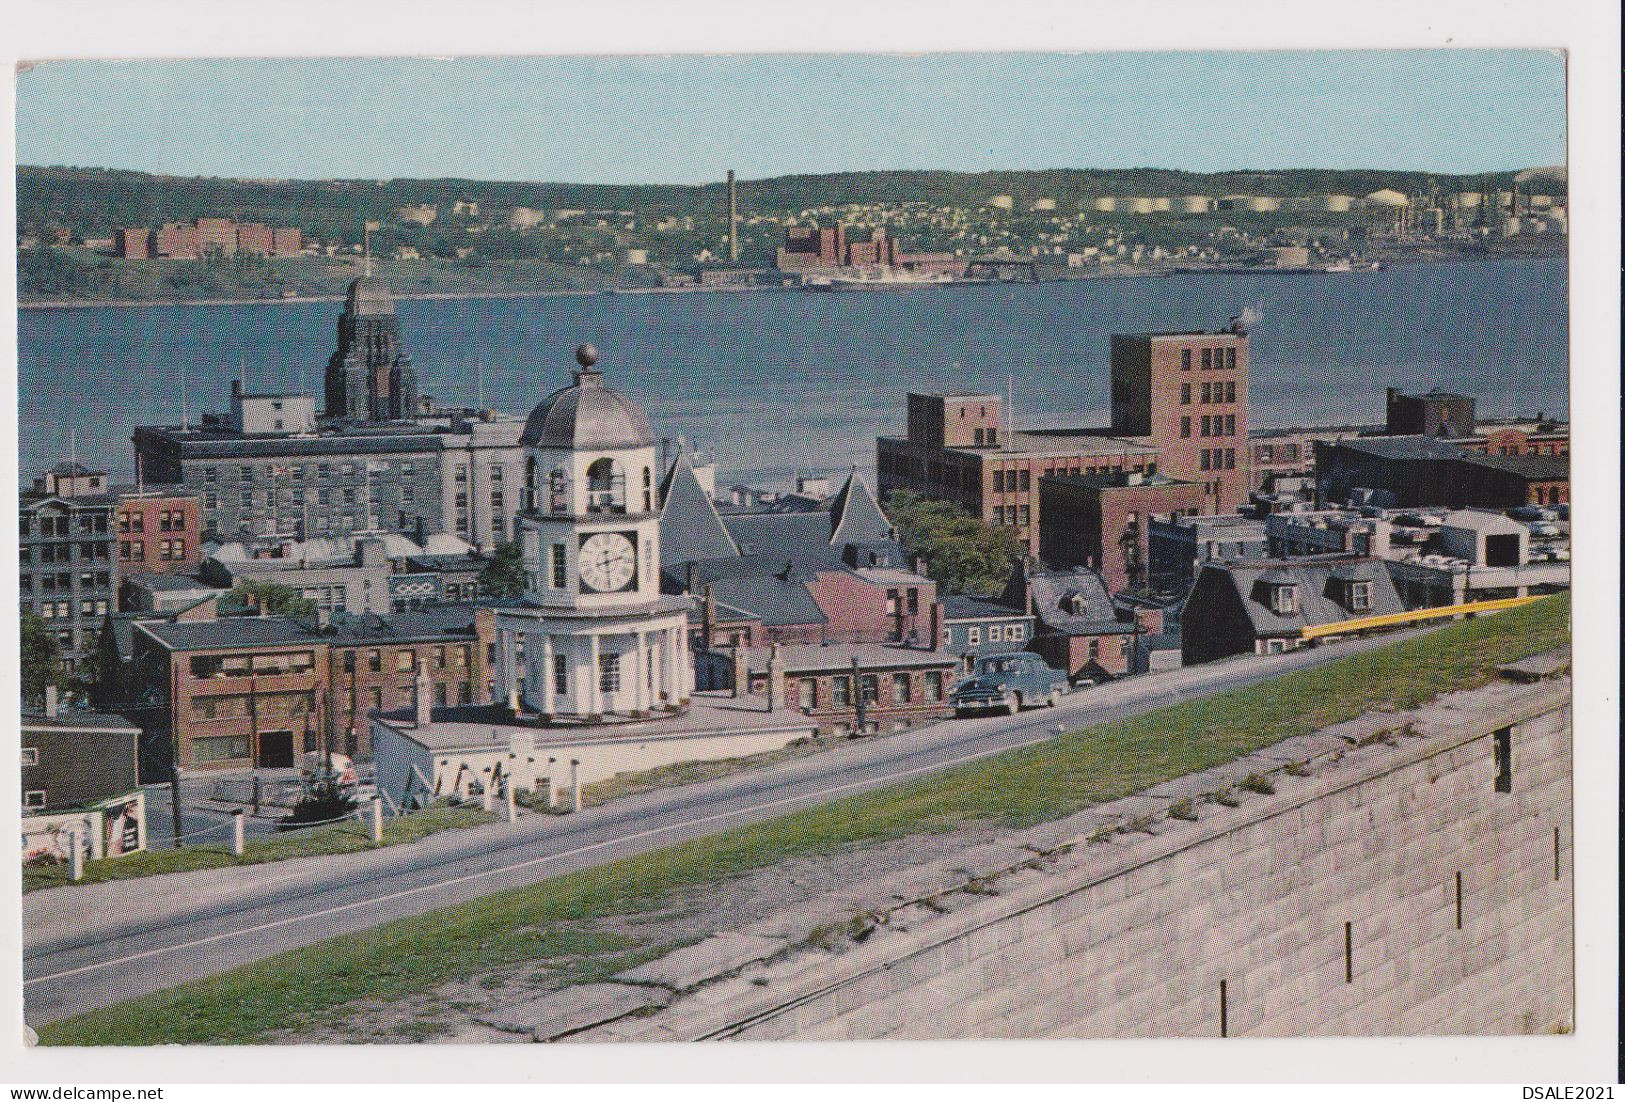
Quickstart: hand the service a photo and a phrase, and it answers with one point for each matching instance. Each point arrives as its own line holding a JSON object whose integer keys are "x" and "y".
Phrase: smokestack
{"x": 733, "y": 219}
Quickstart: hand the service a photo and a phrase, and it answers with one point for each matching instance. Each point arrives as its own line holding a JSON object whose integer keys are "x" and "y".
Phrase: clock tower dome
{"x": 592, "y": 636}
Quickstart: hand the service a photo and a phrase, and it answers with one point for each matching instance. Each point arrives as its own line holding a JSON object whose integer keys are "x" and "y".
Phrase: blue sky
{"x": 680, "y": 119}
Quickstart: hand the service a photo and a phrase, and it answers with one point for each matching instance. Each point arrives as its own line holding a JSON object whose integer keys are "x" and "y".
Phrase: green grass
{"x": 691, "y": 772}
{"x": 345, "y": 837}
{"x": 1020, "y": 787}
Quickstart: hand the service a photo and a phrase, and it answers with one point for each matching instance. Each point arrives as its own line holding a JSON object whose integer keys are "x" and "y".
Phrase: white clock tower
{"x": 592, "y": 636}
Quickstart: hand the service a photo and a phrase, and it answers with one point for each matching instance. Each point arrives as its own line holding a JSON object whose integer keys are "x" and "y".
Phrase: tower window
{"x": 560, "y": 579}
{"x": 606, "y": 487}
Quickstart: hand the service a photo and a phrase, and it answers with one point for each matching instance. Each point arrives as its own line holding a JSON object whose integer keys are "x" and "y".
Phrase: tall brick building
{"x": 159, "y": 529}
{"x": 1185, "y": 394}
{"x": 1103, "y": 522}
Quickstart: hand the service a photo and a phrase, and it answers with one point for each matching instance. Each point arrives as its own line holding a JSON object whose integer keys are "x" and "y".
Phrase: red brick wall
{"x": 923, "y": 704}
{"x": 252, "y": 237}
{"x": 857, "y": 611}
{"x": 286, "y": 241}
{"x": 145, "y": 525}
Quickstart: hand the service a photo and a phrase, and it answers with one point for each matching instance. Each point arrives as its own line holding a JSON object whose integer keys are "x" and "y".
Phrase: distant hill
{"x": 92, "y": 202}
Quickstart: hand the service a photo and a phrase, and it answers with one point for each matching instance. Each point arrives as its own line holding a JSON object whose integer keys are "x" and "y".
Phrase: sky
{"x": 682, "y": 119}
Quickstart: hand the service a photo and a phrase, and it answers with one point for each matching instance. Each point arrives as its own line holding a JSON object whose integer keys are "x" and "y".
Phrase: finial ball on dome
{"x": 587, "y": 356}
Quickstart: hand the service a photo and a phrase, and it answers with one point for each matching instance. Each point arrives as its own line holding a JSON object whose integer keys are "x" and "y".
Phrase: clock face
{"x": 608, "y": 561}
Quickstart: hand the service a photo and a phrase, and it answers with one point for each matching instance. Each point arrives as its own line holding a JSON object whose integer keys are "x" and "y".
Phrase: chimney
{"x": 692, "y": 572}
{"x": 50, "y": 702}
{"x": 733, "y": 219}
{"x": 708, "y": 618}
{"x": 423, "y": 694}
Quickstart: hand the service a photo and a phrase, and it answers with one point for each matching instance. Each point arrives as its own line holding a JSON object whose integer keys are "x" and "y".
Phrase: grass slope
{"x": 314, "y": 842}
{"x": 1057, "y": 778}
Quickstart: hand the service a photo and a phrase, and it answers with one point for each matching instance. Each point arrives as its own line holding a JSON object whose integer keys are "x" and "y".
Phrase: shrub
{"x": 1257, "y": 782}
{"x": 1183, "y": 809}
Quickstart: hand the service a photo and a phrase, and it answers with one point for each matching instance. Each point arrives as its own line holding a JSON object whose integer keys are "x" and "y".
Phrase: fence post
{"x": 175, "y": 803}
{"x": 575, "y": 784}
{"x": 377, "y": 820}
{"x": 513, "y": 812}
{"x": 76, "y": 856}
{"x": 237, "y": 833}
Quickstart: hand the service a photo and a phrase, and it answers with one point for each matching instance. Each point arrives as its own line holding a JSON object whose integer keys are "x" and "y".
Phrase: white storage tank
{"x": 1002, "y": 202}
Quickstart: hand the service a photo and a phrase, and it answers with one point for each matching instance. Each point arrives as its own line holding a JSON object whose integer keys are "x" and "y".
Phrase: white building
{"x": 593, "y": 635}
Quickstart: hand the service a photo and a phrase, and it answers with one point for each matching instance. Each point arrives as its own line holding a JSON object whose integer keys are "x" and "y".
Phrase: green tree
{"x": 504, "y": 575}
{"x": 962, "y": 553}
{"x": 41, "y": 659}
{"x": 266, "y": 599}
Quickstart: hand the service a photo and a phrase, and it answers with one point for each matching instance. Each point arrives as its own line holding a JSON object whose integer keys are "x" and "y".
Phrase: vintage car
{"x": 1010, "y": 682}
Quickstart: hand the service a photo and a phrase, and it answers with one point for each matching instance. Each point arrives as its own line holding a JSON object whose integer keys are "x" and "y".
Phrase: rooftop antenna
{"x": 366, "y": 248}
{"x": 186, "y": 416}
{"x": 73, "y": 451}
{"x": 479, "y": 383}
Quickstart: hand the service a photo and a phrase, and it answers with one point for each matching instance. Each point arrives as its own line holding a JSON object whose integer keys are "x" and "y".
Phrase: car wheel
{"x": 1051, "y": 700}
{"x": 1015, "y": 703}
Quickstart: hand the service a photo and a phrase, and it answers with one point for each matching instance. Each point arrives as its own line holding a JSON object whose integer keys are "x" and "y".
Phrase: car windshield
{"x": 1000, "y": 665}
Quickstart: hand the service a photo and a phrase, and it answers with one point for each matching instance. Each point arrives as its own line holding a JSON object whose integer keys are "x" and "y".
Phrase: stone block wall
{"x": 1387, "y": 886}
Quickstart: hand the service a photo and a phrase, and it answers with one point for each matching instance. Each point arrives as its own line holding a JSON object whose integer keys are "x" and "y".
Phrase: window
{"x": 220, "y": 748}
{"x": 405, "y": 661}
{"x": 609, "y": 673}
{"x": 1184, "y": 394}
{"x": 377, "y": 695}
{"x": 902, "y": 688}
{"x": 914, "y": 602}
{"x": 1185, "y": 427}
{"x": 891, "y": 602}
{"x": 34, "y": 799}
{"x": 375, "y": 661}
{"x": 31, "y": 755}
{"x": 1230, "y": 358}
{"x": 1015, "y": 633}
{"x": 1284, "y": 600}
{"x": 1026, "y": 481}
{"x": 1026, "y": 514}
{"x": 1359, "y": 596}
{"x": 933, "y": 686}
{"x": 1501, "y": 748}
{"x": 1207, "y": 359}
{"x": 841, "y": 690}
{"x": 561, "y": 674}
{"x": 1207, "y": 459}
{"x": 807, "y": 693}
{"x": 1207, "y": 425}
{"x": 1230, "y": 391}
{"x": 560, "y": 578}
{"x": 870, "y": 685}
{"x": 973, "y": 636}
{"x": 1184, "y": 359}
{"x": 1207, "y": 393}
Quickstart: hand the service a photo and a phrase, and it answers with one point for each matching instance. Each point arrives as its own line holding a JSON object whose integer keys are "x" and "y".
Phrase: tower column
{"x": 594, "y": 699}
{"x": 674, "y": 665}
{"x": 546, "y": 680}
{"x": 640, "y": 692}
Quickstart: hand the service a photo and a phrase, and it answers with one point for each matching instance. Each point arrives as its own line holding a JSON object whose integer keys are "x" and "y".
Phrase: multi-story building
{"x": 1290, "y": 453}
{"x": 1179, "y": 546}
{"x": 68, "y": 569}
{"x": 813, "y": 247}
{"x": 957, "y": 450}
{"x": 1410, "y": 471}
{"x": 382, "y": 461}
{"x": 885, "y": 687}
{"x": 1436, "y": 413}
{"x": 133, "y": 244}
{"x": 159, "y": 529}
{"x": 73, "y": 758}
{"x": 255, "y": 692}
{"x": 210, "y": 237}
{"x": 1185, "y": 394}
{"x": 1103, "y": 521}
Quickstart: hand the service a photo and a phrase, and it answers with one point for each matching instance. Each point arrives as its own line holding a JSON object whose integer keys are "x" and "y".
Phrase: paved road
{"x": 93, "y": 945}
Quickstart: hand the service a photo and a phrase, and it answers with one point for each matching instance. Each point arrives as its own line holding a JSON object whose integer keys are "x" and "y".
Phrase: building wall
{"x": 835, "y": 713}
{"x": 1111, "y": 651}
{"x": 858, "y": 611}
{"x": 74, "y": 767}
{"x": 1328, "y": 909}
{"x": 158, "y": 534}
{"x": 458, "y": 674}
{"x": 68, "y": 571}
{"x": 1164, "y": 386}
{"x": 1107, "y": 529}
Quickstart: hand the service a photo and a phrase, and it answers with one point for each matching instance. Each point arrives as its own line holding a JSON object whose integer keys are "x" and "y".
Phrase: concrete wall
{"x": 1328, "y": 907}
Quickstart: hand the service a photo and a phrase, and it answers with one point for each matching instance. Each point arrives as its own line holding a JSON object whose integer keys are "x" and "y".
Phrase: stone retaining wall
{"x": 1206, "y": 906}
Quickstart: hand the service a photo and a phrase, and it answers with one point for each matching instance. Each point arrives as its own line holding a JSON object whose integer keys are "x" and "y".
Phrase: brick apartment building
{"x": 1103, "y": 522}
{"x": 207, "y": 237}
{"x": 255, "y": 692}
{"x": 899, "y": 686}
{"x": 956, "y": 450}
{"x": 1186, "y": 395}
{"x": 159, "y": 530}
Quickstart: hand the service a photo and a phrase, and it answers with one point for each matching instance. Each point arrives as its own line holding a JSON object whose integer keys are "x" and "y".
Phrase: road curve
{"x": 93, "y": 945}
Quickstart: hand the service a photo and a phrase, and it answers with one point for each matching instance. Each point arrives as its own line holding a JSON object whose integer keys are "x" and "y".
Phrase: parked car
{"x": 1010, "y": 682}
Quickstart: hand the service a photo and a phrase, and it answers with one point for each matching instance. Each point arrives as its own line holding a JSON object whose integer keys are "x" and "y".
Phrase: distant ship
{"x": 881, "y": 279}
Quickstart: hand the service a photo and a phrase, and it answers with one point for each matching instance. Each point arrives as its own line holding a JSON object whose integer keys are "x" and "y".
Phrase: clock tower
{"x": 592, "y": 637}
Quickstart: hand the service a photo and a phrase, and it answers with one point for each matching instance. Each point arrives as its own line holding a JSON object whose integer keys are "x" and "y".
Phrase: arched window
{"x": 558, "y": 491}
{"x": 606, "y": 487}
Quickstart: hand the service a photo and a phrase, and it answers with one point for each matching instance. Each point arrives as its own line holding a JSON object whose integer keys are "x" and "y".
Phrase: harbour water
{"x": 772, "y": 383}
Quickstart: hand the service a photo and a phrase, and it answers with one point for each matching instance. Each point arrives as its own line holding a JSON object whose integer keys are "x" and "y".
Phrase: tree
{"x": 504, "y": 575}
{"x": 962, "y": 553}
{"x": 253, "y": 598}
{"x": 41, "y": 659}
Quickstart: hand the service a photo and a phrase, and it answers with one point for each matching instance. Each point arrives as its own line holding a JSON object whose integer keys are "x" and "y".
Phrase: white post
{"x": 513, "y": 811}
{"x": 575, "y": 784}
{"x": 98, "y": 835}
{"x": 76, "y": 856}
{"x": 595, "y": 704}
{"x": 544, "y": 691}
{"x": 488, "y": 795}
{"x": 237, "y": 833}
{"x": 640, "y": 676}
{"x": 377, "y": 820}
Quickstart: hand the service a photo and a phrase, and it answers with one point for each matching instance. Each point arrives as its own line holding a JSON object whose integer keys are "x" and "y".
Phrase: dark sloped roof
{"x": 776, "y": 600}
{"x": 804, "y": 534}
{"x": 587, "y": 414}
{"x": 1053, "y": 593}
{"x": 1317, "y": 598}
{"x": 690, "y": 528}
{"x": 959, "y": 607}
{"x": 430, "y": 622}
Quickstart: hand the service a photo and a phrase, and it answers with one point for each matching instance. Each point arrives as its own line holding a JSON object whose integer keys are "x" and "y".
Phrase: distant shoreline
{"x": 429, "y": 296}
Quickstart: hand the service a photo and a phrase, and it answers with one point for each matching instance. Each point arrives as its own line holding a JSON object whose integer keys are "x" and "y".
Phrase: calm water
{"x": 775, "y": 382}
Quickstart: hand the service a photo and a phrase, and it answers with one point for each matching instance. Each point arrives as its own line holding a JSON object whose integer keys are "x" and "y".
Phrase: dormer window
{"x": 1284, "y": 600}
{"x": 1357, "y": 596}
{"x": 1075, "y": 603}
